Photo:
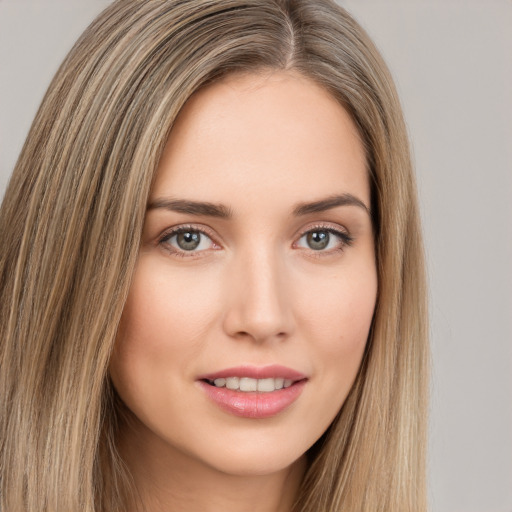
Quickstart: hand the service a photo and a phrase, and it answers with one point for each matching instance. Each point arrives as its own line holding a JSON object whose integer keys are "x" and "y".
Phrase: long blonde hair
{"x": 70, "y": 226}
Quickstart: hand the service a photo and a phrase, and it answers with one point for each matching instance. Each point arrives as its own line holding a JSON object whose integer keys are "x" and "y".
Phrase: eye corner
{"x": 329, "y": 239}
{"x": 199, "y": 242}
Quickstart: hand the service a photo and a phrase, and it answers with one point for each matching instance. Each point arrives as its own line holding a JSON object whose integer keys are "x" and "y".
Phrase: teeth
{"x": 247, "y": 384}
{"x": 266, "y": 385}
{"x": 232, "y": 382}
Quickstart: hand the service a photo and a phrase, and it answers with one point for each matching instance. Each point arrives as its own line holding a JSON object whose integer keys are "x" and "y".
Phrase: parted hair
{"x": 71, "y": 223}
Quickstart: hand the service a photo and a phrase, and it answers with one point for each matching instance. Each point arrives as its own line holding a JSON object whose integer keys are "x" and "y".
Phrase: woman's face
{"x": 256, "y": 271}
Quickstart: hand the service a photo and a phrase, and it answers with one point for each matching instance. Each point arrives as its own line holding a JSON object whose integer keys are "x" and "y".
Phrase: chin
{"x": 264, "y": 464}
{"x": 255, "y": 458}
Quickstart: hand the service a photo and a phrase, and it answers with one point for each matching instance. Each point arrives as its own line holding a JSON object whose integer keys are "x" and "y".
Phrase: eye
{"x": 324, "y": 239}
{"x": 187, "y": 240}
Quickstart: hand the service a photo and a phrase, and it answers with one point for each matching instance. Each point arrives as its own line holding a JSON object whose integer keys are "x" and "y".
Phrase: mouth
{"x": 247, "y": 384}
{"x": 254, "y": 392}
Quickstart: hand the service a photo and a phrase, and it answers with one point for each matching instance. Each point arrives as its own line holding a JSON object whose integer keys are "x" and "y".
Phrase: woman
{"x": 212, "y": 281}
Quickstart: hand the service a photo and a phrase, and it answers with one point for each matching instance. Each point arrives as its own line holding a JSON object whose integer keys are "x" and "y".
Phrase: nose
{"x": 258, "y": 298}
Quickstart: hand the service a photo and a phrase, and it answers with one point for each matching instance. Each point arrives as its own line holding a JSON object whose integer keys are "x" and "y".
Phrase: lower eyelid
{"x": 169, "y": 235}
{"x": 344, "y": 239}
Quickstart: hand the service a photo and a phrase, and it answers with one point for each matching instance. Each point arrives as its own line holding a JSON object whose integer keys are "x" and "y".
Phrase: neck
{"x": 166, "y": 479}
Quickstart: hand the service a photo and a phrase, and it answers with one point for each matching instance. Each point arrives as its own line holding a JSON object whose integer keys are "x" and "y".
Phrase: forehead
{"x": 261, "y": 133}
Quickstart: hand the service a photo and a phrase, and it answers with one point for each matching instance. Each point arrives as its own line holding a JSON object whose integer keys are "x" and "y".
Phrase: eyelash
{"x": 345, "y": 240}
{"x": 183, "y": 229}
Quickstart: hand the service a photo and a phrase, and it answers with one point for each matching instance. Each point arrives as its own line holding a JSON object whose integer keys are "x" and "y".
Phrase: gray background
{"x": 452, "y": 61}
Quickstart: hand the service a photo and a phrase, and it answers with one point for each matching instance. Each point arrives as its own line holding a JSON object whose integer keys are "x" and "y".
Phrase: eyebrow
{"x": 221, "y": 211}
{"x": 329, "y": 203}
{"x": 192, "y": 207}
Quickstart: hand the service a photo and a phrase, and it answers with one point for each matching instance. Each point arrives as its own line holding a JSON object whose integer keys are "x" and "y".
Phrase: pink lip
{"x": 256, "y": 405}
{"x": 274, "y": 371}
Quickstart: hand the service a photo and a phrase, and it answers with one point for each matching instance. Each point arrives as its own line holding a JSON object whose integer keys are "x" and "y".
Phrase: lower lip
{"x": 254, "y": 404}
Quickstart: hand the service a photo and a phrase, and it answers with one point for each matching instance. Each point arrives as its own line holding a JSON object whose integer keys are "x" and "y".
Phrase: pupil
{"x": 318, "y": 240}
{"x": 188, "y": 241}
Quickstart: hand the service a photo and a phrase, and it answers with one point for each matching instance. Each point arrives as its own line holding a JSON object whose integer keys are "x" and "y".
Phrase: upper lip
{"x": 256, "y": 372}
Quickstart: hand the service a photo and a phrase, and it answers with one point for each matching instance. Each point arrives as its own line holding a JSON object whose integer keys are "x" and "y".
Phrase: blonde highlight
{"x": 71, "y": 222}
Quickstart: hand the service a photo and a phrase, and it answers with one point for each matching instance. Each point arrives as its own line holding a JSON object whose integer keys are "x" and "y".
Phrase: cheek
{"x": 162, "y": 329}
{"x": 341, "y": 312}
{"x": 338, "y": 321}
{"x": 164, "y": 306}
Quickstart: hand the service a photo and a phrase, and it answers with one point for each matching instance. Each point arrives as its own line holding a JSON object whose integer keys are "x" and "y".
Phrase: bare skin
{"x": 257, "y": 251}
{"x": 188, "y": 485}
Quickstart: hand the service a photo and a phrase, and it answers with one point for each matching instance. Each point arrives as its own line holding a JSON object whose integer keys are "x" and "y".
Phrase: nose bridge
{"x": 259, "y": 302}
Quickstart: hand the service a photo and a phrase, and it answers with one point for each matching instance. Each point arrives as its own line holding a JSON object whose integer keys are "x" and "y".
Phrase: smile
{"x": 247, "y": 384}
{"x": 254, "y": 392}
